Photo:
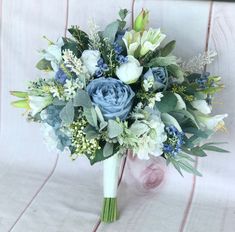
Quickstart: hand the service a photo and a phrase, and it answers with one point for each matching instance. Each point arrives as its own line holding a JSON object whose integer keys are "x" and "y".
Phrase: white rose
{"x": 202, "y": 106}
{"x": 150, "y": 40}
{"x": 90, "y": 59}
{"x": 132, "y": 41}
{"x": 129, "y": 72}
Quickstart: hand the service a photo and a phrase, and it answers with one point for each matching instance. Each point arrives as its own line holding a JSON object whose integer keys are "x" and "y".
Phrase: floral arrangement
{"x": 108, "y": 92}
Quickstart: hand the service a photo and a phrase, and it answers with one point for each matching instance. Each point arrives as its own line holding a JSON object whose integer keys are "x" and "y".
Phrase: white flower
{"x": 180, "y": 103}
{"x": 202, "y": 106}
{"x": 90, "y": 59}
{"x": 132, "y": 41}
{"x": 53, "y": 54}
{"x": 210, "y": 123}
{"x": 150, "y": 133}
{"x": 153, "y": 100}
{"x": 150, "y": 40}
{"x": 38, "y": 103}
{"x": 129, "y": 72}
{"x": 148, "y": 83}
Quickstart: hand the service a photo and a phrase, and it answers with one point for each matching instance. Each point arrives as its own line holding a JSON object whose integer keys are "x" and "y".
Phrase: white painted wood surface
{"x": 37, "y": 193}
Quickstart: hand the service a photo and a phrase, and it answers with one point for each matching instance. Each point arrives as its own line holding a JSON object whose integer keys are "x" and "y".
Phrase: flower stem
{"x": 109, "y": 211}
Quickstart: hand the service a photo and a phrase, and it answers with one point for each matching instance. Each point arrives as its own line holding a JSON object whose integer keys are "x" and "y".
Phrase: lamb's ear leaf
{"x": 82, "y": 99}
{"x": 111, "y": 31}
{"x": 67, "y": 113}
{"x": 114, "y": 129}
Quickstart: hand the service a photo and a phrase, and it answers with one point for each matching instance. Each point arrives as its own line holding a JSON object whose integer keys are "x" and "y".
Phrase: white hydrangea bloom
{"x": 150, "y": 132}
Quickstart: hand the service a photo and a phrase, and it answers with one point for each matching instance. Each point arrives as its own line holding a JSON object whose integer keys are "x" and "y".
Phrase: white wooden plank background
{"x": 40, "y": 193}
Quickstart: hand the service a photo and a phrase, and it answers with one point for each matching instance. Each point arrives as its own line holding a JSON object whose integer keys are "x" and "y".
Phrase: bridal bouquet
{"x": 110, "y": 91}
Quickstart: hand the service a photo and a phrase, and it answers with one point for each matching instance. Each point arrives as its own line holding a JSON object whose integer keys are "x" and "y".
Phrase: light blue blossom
{"x": 114, "y": 98}
{"x": 159, "y": 75}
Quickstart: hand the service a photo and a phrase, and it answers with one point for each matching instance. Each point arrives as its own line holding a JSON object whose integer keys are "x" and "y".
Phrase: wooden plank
{"x": 214, "y": 203}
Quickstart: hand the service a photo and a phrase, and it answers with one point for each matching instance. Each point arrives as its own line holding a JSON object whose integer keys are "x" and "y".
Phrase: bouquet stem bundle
{"x": 110, "y": 178}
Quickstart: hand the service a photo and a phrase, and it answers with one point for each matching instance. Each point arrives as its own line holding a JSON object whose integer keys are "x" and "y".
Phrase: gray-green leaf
{"x": 167, "y": 103}
{"x": 168, "y": 48}
{"x": 108, "y": 149}
{"x": 82, "y": 99}
{"x": 162, "y": 61}
{"x": 67, "y": 113}
{"x": 91, "y": 116}
{"x": 114, "y": 129}
{"x": 110, "y": 31}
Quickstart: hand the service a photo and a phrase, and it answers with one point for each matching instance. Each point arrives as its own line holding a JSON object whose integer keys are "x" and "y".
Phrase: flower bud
{"x": 141, "y": 21}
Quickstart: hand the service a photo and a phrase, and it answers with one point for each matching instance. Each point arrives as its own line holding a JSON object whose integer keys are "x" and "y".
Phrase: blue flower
{"x": 159, "y": 75}
{"x": 117, "y": 48}
{"x": 121, "y": 59}
{"x": 174, "y": 141}
{"x": 103, "y": 67}
{"x": 114, "y": 98}
{"x": 202, "y": 80}
{"x": 60, "y": 76}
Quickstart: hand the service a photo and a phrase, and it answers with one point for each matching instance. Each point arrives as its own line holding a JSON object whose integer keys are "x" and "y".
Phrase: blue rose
{"x": 159, "y": 75}
{"x": 60, "y": 76}
{"x": 114, "y": 98}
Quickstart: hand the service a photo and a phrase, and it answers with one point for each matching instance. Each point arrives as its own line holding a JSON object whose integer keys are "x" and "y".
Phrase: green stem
{"x": 109, "y": 211}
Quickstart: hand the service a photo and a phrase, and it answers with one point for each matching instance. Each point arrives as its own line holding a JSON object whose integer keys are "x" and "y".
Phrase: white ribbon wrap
{"x": 110, "y": 175}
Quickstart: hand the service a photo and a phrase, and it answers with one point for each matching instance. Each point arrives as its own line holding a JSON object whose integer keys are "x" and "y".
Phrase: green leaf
{"x": 175, "y": 71}
{"x": 198, "y": 151}
{"x": 67, "y": 113}
{"x": 110, "y": 31}
{"x": 91, "y": 116}
{"x": 81, "y": 37}
{"x": 123, "y": 13}
{"x": 162, "y": 61}
{"x": 99, "y": 156}
{"x": 103, "y": 125}
{"x": 168, "y": 48}
{"x": 19, "y": 94}
{"x": 114, "y": 129}
{"x": 186, "y": 166}
{"x": 108, "y": 149}
{"x": 168, "y": 102}
{"x": 44, "y": 64}
{"x": 21, "y": 104}
{"x": 213, "y": 148}
{"x": 72, "y": 46}
{"x": 82, "y": 99}
{"x": 186, "y": 114}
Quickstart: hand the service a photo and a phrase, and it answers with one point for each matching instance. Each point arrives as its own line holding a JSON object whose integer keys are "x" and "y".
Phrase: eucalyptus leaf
{"x": 176, "y": 71}
{"x": 114, "y": 129}
{"x": 123, "y": 13}
{"x": 168, "y": 102}
{"x": 67, "y": 113}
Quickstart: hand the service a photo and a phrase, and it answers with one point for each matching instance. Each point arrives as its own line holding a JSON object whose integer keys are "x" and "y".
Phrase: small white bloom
{"x": 150, "y": 40}
{"x": 158, "y": 96}
{"x": 129, "y": 72}
{"x": 132, "y": 41}
{"x": 38, "y": 103}
{"x": 148, "y": 83}
{"x": 202, "y": 106}
{"x": 90, "y": 59}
